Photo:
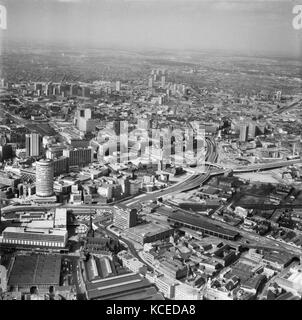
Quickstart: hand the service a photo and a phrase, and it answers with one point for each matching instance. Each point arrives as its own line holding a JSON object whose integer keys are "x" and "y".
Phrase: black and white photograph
{"x": 150, "y": 151}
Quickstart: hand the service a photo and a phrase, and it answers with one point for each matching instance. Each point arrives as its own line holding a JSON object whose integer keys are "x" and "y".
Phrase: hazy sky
{"x": 242, "y": 25}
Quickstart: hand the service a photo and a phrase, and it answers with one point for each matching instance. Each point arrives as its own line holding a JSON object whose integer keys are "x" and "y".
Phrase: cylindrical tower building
{"x": 44, "y": 178}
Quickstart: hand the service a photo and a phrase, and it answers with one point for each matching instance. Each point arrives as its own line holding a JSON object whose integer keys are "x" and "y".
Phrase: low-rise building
{"x": 129, "y": 286}
{"x": 166, "y": 286}
{"x": 41, "y": 271}
{"x": 292, "y": 281}
{"x": 186, "y": 292}
{"x": 172, "y": 268}
{"x": 132, "y": 263}
{"x": 3, "y": 279}
{"x": 149, "y": 232}
{"x": 34, "y": 237}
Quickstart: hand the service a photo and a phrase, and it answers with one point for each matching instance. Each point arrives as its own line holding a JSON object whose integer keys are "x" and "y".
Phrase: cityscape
{"x": 136, "y": 173}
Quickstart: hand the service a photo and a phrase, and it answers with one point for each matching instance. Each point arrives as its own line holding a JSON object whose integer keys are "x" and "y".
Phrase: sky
{"x": 247, "y": 26}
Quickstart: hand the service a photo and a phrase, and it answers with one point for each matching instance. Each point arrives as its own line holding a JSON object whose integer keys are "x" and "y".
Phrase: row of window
{"x": 206, "y": 231}
{"x": 34, "y": 243}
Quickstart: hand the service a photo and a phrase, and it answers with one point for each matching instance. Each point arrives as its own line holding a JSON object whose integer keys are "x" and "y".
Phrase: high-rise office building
{"x": 60, "y": 165}
{"x": 124, "y": 217}
{"x": 163, "y": 81}
{"x": 150, "y": 84}
{"x": 78, "y": 157}
{"x": 44, "y": 178}
{"x": 134, "y": 187}
{"x": 116, "y": 126}
{"x": 33, "y": 143}
{"x": 64, "y": 89}
{"x": 86, "y": 125}
{"x": 73, "y": 90}
{"x": 125, "y": 184}
{"x": 86, "y": 92}
{"x": 118, "y": 86}
{"x": 243, "y": 132}
{"x": 49, "y": 89}
{"x": 55, "y": 91}
{"x": 252, "y": 130}
{"x": 278, "y": 95}
{"x": 6, "y": 152}
{"x": 38, "y": 86}
{"x": 84, "y": 120}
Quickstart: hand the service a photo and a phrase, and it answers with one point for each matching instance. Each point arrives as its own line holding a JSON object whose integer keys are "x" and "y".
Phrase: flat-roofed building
{"x": 36, "y": 237}
{"x": 124, "y": 217}
{"x": 217, "y": 294}
{"x": 61, "y": 165}
{"x": 198, "y": 224}
{"x": 3, "y": 279}
{"x": 78, "y": 157}
{"x": 149, "y": 232}
{"x": 166, "y": 286}
{"x": 87, "y": 125}
{"x": 132, "y": 263}
{"x": 186, "y": 292}
{"x": 60, "y": 219}
{"x": 276, "y": 260}
{"x": 292, "y": 281}
{"x": 41, "y": 271}
{"x": 55, "y": 151}
{"x": 9, "y": 180}
{"x": 173, "y": 269}
{"x": 33, "y": 145}
{"x": 150, "y": 256}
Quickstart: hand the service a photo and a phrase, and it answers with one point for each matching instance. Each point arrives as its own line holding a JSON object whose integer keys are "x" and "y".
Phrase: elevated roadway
{"x": 292, "y": 105}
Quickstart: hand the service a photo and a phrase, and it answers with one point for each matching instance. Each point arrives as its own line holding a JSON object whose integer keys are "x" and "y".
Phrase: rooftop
{"x": 35, "y": 270}
{"x": 54, "y": 232}
{"x": 118, "y": 287}
{"x": 148, "y": 229}
{"x": 198, "y": 222}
